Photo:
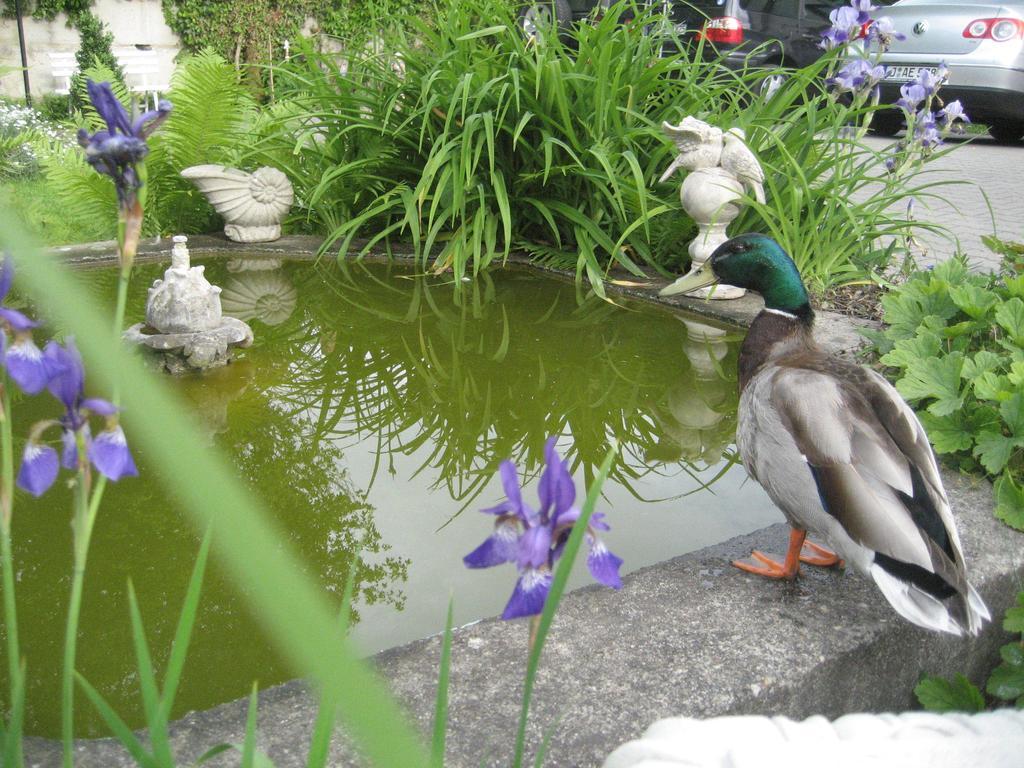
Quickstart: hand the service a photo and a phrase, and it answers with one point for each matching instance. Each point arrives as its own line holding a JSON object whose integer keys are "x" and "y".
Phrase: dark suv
{"x": 770, "y": 32}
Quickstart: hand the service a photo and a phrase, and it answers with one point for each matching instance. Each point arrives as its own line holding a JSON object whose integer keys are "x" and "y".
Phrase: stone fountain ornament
{"x": 253, "y": 204}
{"x": 721, "y": 168}
{"x": 184, "y": 326}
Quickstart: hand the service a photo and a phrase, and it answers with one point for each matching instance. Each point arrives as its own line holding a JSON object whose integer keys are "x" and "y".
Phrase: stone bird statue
{"x": 738, "y": 160}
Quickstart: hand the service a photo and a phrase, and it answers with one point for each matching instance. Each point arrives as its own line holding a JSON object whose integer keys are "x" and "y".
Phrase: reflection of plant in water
{"x": 471, "y": 378}
{"x": 321, "y": 510}
{"x": 281, "y": 461}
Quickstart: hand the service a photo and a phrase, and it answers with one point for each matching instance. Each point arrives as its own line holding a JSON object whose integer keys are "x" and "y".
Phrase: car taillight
{"x": 724, "y": 30}
{"x": 998, "y": 29}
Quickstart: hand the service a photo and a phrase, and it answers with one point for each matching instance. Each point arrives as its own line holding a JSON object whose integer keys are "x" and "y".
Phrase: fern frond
{"x": 84, "y": 194}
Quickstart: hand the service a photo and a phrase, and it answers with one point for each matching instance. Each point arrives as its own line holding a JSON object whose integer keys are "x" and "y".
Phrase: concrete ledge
{"x": 691, "y": 636}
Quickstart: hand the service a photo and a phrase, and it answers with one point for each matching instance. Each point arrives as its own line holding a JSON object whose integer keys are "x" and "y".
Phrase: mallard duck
{"x": 840, "y": 453}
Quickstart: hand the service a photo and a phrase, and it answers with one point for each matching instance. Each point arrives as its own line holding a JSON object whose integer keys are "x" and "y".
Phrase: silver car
{"x": 982, "y": 43}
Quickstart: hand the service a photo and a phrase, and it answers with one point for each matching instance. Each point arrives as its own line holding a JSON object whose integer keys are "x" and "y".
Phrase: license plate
{"x": 900, "y": 73}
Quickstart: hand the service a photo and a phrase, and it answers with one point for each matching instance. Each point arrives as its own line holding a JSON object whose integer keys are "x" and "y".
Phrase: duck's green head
{"x": 756, "y": 262}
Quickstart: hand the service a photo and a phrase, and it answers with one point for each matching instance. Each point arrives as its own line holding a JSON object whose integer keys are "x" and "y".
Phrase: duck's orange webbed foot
{"x": 772, "y": 568}
{"x": 815, "y": 554}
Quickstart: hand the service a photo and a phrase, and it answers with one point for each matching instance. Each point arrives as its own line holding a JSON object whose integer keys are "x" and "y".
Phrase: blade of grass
{"x": 183, "y": 633}
{"x": 148, "y": 685}
{"x": 326, "y": 715}
{"x": 212, "y": 752}
{"x": 441, "y": 703}
{"x": 249, "y": 745}
{"x": 118, "y": 726}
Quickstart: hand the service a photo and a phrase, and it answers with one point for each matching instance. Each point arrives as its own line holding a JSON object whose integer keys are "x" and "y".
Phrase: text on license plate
{"x": 904, "y": 74}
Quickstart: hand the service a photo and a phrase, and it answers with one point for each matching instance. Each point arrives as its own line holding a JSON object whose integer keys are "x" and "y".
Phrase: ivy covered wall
{"x": 249, "y": 31}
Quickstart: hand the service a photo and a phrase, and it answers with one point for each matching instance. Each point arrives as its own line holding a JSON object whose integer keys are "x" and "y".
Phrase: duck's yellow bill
{"x": 699, "y": 278}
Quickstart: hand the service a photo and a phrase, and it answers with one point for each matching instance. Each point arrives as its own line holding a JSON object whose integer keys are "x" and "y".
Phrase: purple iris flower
{"x": 108, "y": 451}
{"x": 847, "y": 22}
{"x": 857, "y": 75}
{"x": 39, "y": 466}
{"x": 951, "y": 113}
{"x": 926, "y": 130}
{"x": 863, "y": 9}
{"x": 535, "y": 539}
{"x": 22, "y": 359}
{"x": 883, "y": 32}
{"x": 117, "y": 150}
{"x": 911, "y": 95}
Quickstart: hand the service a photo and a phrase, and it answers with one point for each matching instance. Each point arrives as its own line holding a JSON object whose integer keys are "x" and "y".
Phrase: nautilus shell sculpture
{"x": 252, "y": 204}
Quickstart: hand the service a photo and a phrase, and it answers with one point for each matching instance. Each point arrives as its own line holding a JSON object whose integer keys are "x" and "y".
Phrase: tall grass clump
{"x": 463, "y": 140}
{"x": 467, "y": 139}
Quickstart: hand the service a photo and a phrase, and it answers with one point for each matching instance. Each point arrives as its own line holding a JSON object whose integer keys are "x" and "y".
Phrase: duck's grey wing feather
{"x": 909, "y": 435}
{"x": 861, "y": 474}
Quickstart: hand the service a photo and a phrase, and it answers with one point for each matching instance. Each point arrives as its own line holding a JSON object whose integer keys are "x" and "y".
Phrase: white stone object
{"x": 909, "y": 740}
{"x": 253, "y": 204}
{"x": 250, "y": 264}
{"x": 705, "y": 348}
{"x": 738, "y": 160}
{"x": 184, "y": 320}
{"x": 184, "y": 301}
{"x": 719, "y": 168}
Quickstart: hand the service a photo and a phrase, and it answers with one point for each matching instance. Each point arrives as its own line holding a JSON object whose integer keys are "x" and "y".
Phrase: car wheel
{"x": 1007, "y": 131}
{"x": 536, "y": 17}
{"x": 887, "y": 122}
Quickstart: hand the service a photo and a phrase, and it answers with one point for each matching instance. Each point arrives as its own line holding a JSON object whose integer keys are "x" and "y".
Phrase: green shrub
{"x": 93, "y": 50}
{"x": 1005, "y": 683}
{"x": 55, "y": 107}
{"x": 466, "y": 138}
{"x": 955, "y": 342}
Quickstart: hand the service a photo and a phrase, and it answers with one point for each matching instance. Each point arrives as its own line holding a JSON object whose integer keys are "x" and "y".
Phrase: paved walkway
{"x": 996, "y": 176}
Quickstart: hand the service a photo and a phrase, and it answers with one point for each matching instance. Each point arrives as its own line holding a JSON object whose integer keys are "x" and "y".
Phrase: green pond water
{"x": 371, "y": 415}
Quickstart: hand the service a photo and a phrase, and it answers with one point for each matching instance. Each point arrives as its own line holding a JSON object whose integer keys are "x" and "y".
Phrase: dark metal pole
{"x": 24, "y": 54}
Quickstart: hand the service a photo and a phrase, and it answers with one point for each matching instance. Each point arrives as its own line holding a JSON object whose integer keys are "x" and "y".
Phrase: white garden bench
{"x": 142, "y": 73}
{"x": 62, "y": 67}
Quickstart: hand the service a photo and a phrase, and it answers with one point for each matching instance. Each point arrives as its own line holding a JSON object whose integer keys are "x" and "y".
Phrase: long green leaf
{"x": 441, "y": 703}
{"x": 323, "y": 728}
{"x": 285, "y": 599}
{"x": 147, "y": 684}
{"x": 183, "y": 633}
{"x": 249, "y": 745}
{"x": 118, "y": 727}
